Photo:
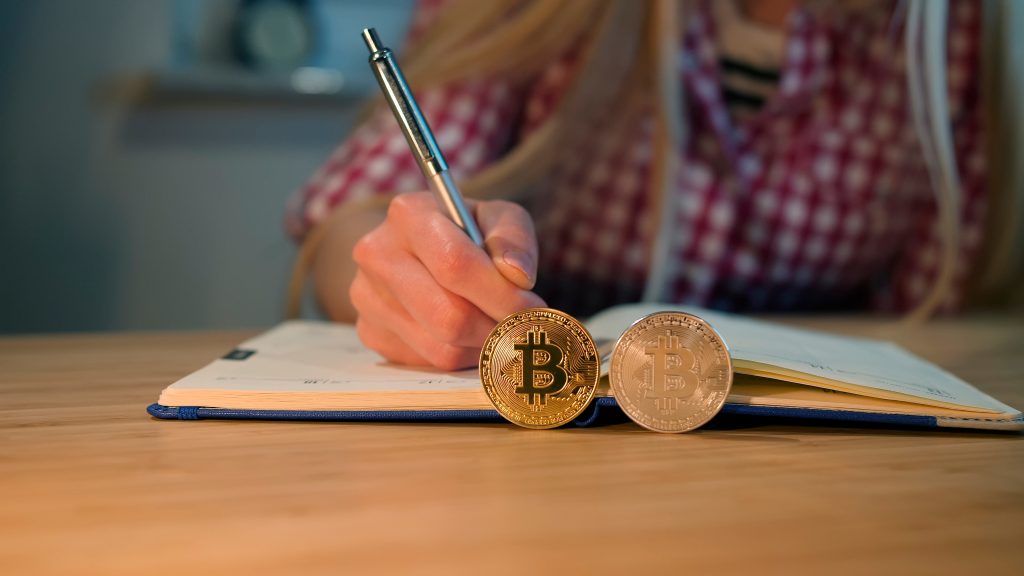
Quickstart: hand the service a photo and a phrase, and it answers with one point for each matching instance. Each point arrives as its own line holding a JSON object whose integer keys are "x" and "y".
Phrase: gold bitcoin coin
{"x": 670, "y": 372}
{"x": 540, "y": 368}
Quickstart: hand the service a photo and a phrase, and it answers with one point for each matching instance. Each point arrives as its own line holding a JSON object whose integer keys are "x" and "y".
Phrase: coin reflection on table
{"x": 670, "y": 372}
{"x": 540, "y": 368}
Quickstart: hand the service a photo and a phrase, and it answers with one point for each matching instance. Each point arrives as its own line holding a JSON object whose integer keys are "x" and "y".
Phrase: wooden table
{"x": 90, "y": 484}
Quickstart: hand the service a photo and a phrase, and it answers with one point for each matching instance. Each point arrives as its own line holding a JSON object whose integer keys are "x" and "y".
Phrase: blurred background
{"x": 148, "y": 147}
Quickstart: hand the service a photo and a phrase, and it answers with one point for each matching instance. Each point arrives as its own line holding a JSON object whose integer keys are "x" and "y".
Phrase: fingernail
{"x": 520, "y": 261}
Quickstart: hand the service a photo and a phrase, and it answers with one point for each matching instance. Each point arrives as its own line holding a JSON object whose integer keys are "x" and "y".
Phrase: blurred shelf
{"x": 236, "y": 87}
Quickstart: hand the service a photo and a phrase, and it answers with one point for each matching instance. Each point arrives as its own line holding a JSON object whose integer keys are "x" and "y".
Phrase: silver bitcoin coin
{"x": 670, "y": 372}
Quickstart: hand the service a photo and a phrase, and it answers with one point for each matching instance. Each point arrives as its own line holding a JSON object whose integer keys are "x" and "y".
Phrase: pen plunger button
{"x": 372, "y": 40}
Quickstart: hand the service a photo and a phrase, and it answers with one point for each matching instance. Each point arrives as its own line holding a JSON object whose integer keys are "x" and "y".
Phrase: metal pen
{"x": 418, "y": 135}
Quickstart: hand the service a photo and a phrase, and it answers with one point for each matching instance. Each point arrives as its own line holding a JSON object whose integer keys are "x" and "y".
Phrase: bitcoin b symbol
{"x": 672, "y": 373}
{"x": 542, "y": 374}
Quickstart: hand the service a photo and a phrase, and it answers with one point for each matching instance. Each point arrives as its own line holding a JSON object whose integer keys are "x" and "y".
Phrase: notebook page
{"x": 307, "y": 356}
{"x": 860, "y": 362}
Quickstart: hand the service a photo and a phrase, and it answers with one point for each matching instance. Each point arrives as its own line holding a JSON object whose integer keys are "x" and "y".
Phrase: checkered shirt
{"x": 820, "y": 200}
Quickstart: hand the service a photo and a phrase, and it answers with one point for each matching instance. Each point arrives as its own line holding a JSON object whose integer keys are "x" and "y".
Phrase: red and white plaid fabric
{"x": 819, "y": 200}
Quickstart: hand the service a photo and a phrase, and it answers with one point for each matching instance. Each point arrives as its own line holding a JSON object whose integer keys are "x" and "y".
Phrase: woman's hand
{"x": 426, "y": 295}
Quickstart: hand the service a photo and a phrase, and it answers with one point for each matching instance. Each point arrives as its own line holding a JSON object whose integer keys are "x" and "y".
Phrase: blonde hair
{"x": 633, "y": 51}
{"x": 1003, "y": 60}
{"x": 1003, "y": 85}
{"x": 521, "y": 40}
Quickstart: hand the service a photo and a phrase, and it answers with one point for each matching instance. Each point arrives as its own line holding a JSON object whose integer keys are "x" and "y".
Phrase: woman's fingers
{"x": 426, "y": 295}
{"x": 511, "y": 241}
{"x": 418, "y": 301}
{"x": 392, "y": 347}
{"x": 456, "y": 263}
{"x": 395, "y": 296}
{"x": 387, "y": 344}
{"x": 377, "y": 307}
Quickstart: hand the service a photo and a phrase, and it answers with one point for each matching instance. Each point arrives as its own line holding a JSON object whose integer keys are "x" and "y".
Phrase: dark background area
{"x": 161, "y": 208}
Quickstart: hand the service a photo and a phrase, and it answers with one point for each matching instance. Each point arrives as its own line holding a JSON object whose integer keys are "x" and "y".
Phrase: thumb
{"x": 510, "y": 240}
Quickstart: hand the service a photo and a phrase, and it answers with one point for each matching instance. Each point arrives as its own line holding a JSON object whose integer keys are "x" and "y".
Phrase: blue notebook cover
{"x": 601, "y": 411}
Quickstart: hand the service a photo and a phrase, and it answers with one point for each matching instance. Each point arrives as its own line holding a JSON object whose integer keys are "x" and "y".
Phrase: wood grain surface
{"x": 90, "y": 484}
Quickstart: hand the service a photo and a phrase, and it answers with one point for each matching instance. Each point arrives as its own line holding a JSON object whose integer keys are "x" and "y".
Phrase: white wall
{"x": 123, "y": 217}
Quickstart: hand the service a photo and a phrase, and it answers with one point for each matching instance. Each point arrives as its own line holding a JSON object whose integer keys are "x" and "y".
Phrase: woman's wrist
{"x": 333, "y": 268}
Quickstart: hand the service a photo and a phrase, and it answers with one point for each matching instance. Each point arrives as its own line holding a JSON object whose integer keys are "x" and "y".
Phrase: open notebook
{"x": 303, "y": 370}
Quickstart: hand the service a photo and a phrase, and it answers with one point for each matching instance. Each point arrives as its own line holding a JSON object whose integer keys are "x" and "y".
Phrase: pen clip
{"x": 399, "y": 97}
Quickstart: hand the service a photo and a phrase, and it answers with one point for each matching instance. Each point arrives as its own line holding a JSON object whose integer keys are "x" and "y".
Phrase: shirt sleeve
{"x": 473, "y": 122}
{"x": 917, "y": 269}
